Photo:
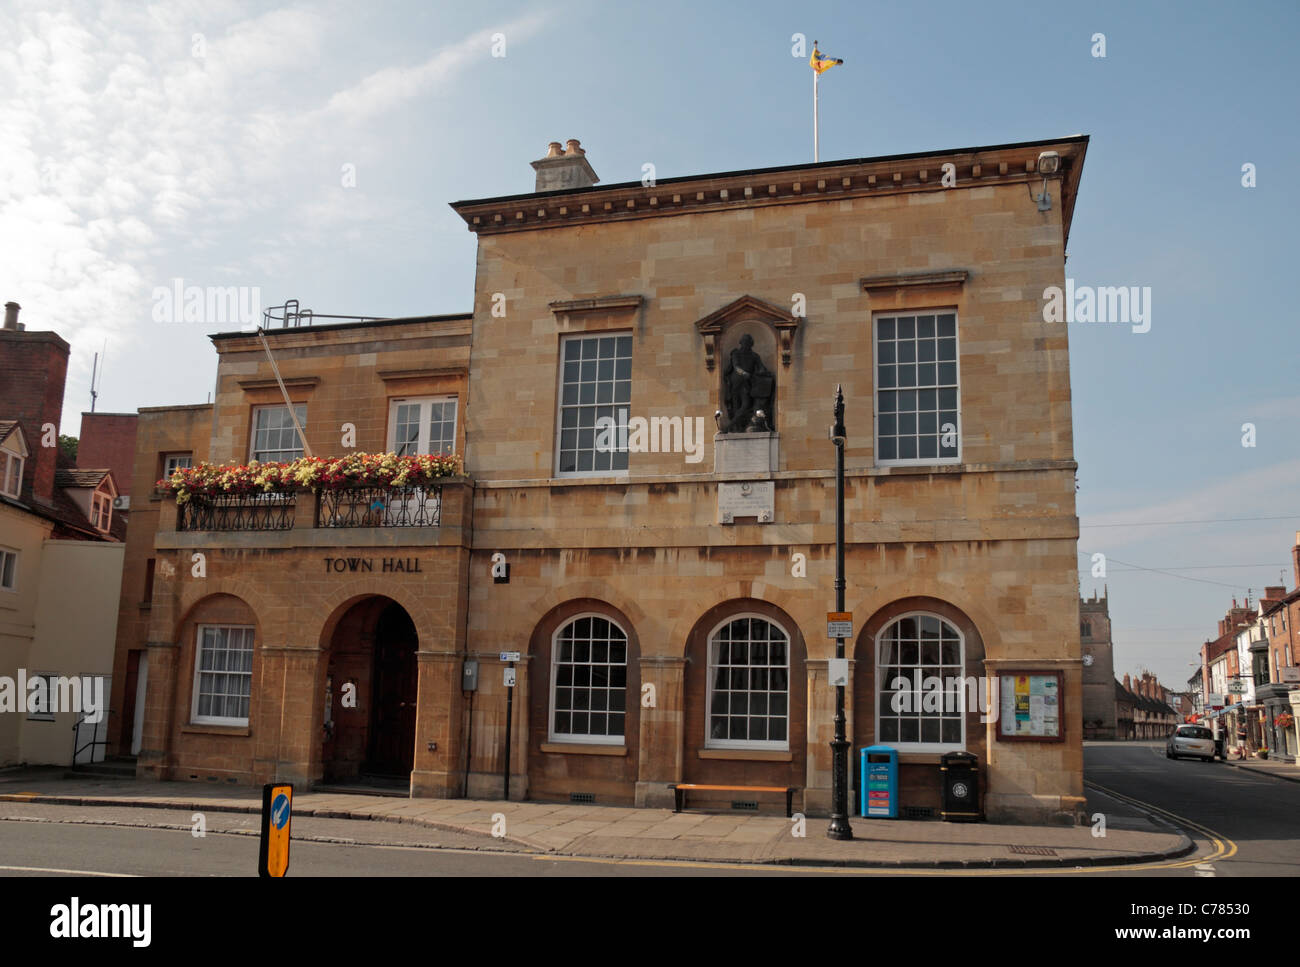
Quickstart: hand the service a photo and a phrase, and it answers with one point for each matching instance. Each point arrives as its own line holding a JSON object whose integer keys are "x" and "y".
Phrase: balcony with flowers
{"x": 328, "y": 495}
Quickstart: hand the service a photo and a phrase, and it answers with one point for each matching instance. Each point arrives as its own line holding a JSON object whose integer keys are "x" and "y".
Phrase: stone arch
{"x": 217, "y": 607}
{"x": 369, "y": 642}
{"x": 553, "y": 772}
{"x": 701, "y": 760}
{"x": 865, "y": 689}
{"x": 335, "y": 604}
{"x": 949, "y": 594}
{"x": 194, "y": 593}
{"x": 694, "y": 608}
{"x": 589, "y": 589}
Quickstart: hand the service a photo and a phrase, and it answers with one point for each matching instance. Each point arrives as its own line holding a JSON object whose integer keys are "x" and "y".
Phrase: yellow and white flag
{"x": 819, "y": 62}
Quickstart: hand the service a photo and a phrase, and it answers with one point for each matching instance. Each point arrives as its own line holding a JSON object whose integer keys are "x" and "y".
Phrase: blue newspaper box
{"x": 878, "y": 788}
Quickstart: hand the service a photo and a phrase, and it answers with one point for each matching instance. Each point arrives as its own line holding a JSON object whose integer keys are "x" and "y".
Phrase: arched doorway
{"x": 372, "y": 683}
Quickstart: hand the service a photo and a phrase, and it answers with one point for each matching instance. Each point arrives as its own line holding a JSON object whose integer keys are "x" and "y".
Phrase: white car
{"x": 1195, "y": 740}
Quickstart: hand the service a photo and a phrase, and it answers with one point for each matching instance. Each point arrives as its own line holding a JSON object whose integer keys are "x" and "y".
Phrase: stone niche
{"x": 772, "y": 331}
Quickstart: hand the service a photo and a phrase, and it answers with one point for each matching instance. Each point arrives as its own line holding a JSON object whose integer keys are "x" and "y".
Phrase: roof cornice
{"x": 791, "y": 184}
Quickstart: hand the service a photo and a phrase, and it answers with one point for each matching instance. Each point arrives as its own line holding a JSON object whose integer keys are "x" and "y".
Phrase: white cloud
{"x": 125, "y": 160}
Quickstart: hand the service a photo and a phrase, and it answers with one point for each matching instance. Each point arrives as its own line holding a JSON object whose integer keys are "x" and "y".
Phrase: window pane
{"x": 749, "y": 677}
{"x": 595, "y": 378}
{"x": 916, "y": 648}
{"x": 590, "y": 678}
{"x": 224, "y": 666}
{"x": 921, "y": 354}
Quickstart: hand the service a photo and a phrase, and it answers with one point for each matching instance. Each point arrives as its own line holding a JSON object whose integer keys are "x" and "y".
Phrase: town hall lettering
{"x": 387, "y": 565}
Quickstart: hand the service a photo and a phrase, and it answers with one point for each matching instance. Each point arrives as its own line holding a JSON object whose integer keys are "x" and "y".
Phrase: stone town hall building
{"x": 667, "y": 590}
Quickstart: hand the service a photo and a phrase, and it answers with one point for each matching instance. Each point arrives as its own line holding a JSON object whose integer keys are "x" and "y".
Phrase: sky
{"x": 310, "y": 151}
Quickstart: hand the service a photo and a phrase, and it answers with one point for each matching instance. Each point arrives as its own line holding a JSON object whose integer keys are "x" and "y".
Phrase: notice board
{"x": 1029, "y": 706}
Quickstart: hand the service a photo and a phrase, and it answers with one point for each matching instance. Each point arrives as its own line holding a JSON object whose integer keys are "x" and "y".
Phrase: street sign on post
{"x": 277, "y": 809}
{"x": 839, "y": 624}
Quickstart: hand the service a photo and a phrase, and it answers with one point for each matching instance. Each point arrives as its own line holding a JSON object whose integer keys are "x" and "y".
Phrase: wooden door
{"x": 392, "y": 728}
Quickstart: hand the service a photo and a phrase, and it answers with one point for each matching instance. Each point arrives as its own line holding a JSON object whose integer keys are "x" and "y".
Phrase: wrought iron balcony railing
{"x": 380, "y": 507}
{"x": 237, "y": 512}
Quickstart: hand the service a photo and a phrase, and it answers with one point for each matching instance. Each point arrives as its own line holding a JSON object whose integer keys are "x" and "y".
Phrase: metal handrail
{"x": 77, "y": 748}
{"x": 290, "y": 316}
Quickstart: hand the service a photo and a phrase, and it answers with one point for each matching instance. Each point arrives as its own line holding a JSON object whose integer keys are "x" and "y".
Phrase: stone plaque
{"x": 749, "y": 499}
{"x": 745, "y": 453}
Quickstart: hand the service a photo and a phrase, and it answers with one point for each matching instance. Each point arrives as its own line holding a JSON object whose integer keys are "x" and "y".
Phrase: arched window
{"x": 1085, "y": 628}
{"x": 749, "y": 685}
{"x": 922, "y": 692}
{"x": 589, "y": 681}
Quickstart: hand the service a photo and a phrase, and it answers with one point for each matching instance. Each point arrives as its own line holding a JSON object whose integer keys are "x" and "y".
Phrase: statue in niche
{"x": 748, "y": 387}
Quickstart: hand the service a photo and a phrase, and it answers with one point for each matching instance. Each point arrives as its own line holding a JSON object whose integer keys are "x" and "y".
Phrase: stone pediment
{"x": 747, "y": 308}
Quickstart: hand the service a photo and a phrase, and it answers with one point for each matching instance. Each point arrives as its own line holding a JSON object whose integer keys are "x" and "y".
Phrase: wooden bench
{"x": 680, "y": 789}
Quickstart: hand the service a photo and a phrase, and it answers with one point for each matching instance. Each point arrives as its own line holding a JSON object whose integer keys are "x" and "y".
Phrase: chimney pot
{"x": 11, "y": 317}
{"x": 564, "y": 170}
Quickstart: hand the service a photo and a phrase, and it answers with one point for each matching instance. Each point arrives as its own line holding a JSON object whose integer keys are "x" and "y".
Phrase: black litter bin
{"x": 959, "y": 772}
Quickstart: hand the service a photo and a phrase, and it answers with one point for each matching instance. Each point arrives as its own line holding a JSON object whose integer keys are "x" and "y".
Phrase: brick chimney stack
{"x": 564, "y": 168}
{"x": 33, "y": 370}
{"x": 1128, "y": 684}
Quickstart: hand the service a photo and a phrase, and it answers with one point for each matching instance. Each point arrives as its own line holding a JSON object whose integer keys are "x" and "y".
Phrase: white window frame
{"x": 610, "y": 740}
{"x": 924, "y": 747}
{"x": 423, "y": 444}
{"x": 560, "y": 405}
{"x": 875, "y": 384}
{"x": 252, "y": 435}
{"x": 12, "y": 461}
{"x": 710, "y": 665}
{"x": 172, "y": 461}
{"x": 195, "y": 717}
{"x": 13, "y": 556}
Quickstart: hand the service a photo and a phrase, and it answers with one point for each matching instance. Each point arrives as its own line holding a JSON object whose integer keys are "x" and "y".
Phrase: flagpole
{"x": 816, "y": 144}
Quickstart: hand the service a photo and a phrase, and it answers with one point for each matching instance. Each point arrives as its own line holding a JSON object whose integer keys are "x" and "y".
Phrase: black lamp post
{"x": 839, "y": 828}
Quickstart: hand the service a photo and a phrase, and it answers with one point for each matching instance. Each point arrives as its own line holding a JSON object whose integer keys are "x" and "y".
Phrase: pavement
{"x": 1269, "y": 767}
{"x": 564, "y": 829}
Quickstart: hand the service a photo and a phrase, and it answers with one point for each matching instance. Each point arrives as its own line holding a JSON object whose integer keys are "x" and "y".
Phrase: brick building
{"x": 668, "y": 593}
{"x": 1144, "y": 706}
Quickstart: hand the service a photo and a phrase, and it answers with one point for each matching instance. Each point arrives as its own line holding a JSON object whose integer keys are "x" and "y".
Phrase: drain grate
{"x": 589, "y": 797}
{"x": 745, "y": 805}
{"x": 918, "y": 812}
{"x": 1033, "y": 850}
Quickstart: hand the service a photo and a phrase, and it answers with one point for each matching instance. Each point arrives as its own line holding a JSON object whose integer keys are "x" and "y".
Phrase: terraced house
{"x": 641, "y": 395}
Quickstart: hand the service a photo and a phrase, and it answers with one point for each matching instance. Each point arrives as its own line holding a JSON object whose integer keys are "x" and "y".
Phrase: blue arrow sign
{"x": 280, "y": 811}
